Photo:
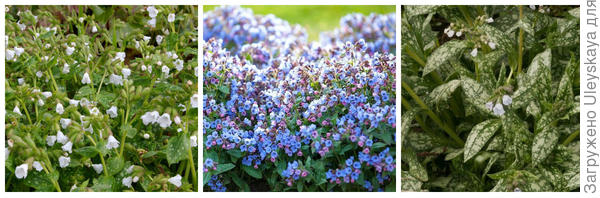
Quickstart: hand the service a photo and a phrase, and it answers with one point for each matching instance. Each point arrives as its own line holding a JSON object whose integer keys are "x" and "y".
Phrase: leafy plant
{"x": 490, "y": 98}
{"x": 84, "y": 88}
{"x": 283, "y": 115}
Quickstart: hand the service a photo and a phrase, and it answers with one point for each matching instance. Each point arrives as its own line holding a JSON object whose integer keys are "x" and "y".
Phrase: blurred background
{"x": 314, "y": 18}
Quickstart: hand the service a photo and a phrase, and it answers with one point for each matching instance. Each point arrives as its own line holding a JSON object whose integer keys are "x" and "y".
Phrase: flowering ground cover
{"x": 490, "y": 98}
{"x": 101, "y": 98}
{"x": 283, "y": 114}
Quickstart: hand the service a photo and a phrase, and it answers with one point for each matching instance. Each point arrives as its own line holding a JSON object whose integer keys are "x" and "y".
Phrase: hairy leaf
{"x": 480, "y": 134}
{"x": 449, "y": 50}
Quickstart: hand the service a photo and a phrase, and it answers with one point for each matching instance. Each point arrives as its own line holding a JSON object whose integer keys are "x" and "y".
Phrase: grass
{"x": 315, "y": 18}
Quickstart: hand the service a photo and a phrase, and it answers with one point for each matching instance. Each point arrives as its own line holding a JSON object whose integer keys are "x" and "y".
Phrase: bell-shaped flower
{"x": 506, "y": 100}
{"x": 120, "y": 56}
{"x": 38, "y": 166}
{"x": 21, "y": 81}
{"x": 67, "y": 147}
{"x": 21, "y": 171}
{"x": 152, "y": 11}
{"x": 116, "y": 79}
{"x": 193, "y": 141}
{"x": 70, "y": 50}
{"x": 146, "y": 136}
{"x": 194, "y": 101}
{"x": 60, "y": 109}
{"x": 492, "y": 45}
{"x": 165, "y": 70}
{"x": 126, "y": 72}
{"x": 150, "y": 117}
{"x": 164, "y": 120}
{"x": 489, "y": 20}
{"x": 66, "y": 69}
{"x": 159, "y": 39}
{"x": 61, "y": 138}
{"x": 65, "y": 122}
{"x": 64, "y": 161}
{"x": 177, "y": 120}
{"x": 171, "y": 17}
{"x": 178, "y": 64}
{"x": 112, "y": 142}
{"x": 474, "y": 52}
{"x": 112, "y": 112}
{"x": 97, "y": 168}
{"x": 17, "y": 110}
{"x": 127, "y": 181}
{"x": 47, "y": 94}
{"x": 94, "y": 29}
{"x": 498, "y": 109}
{"x": 152, "y": 22}
{"x": 50, "y": 140}
{"x": 10, "y": 55}
{"x": 175, "y": 180}
{"x": 86, "y": 79}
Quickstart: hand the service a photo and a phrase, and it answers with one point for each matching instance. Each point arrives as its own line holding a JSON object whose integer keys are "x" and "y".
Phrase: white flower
{"x": 489, "y": 20}
{"x": 137, "y": 44}
{"x": 73, "y": 102}
{"x": 116, "y": 79}
{"x": 498, "y": 109}
{"x": 67, "y": 147}
{"x": 152, "y": 11}
{"x": 21, "y": 26}
{"x": 175, "y": 180}
{"x": 19, "y": 51}
{"x": 474, "y": 52}
{"x": 50, "y": 140}
{"x": 80, "y": 19}
{"x": 21, "y": 171}
{"x": 177, "y": 120}
{"x": 149, "y": 68}
{"x": 193, "y": 141}
{"x": 47, "y": 94}
{"x": 196, "y": 71}
{"x": 38, "y": 166}
{"x": 86, "y": 79}
{"x": 152, "y": 22}
{"x": 17, "y": 111}
{"x": 450, "y": 33}
{"x": 10, "y": 55}
{"x": 120, "y": 56}
{"x": 458, "y": 34}
{"x": 159, "y": 39}
{"x": 129, "y": 170}
{"x": 179, "y": 130}
{"x": 165, "y": 69}
{"x": 6, "y": 153}
{"x": 112, "y": 142}
{"x": 65, "y": 122}
{"x": 73, "y": 187}
{"x": 194, "y": 101}
{"x": 112, "y": 112}
{"x": 61, "y": 138}
{"x": 91, "y": 129}
{"x": 136, "y": 179}
{"x": 65, "y": 68}
{"x": 146, "y": 38}
{"x": 146, "y": 136}
{"x": 178, "y": 64}
{"x": 97, "y": 168}
{"x": 492, "y": 45}
{"x": 41, "y": 102}
{"x": 506, "y": 100}
{"x": 64, "y": 161}
{"x": 127, "y": 181}
{"x": 38, "y": 74}
{"x": 70, "y": 50}
{"x": 60, "y": 109}
{"x": 143, "y": 68}
{"x": 21, "y": 81}
{"x": 489, "y": 105}
{"x": 150, "y": 117}
{"x": 532, "y": 7}
{"x": 126, "y": 72}
{"x": 94, "y": 29}
{"x": 164, "y": 121}
{"x": 171, "y": 18}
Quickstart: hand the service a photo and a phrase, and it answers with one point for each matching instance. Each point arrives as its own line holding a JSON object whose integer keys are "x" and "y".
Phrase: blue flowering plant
{"x": 101, "y": 98}
{"x": 283, "y": 114}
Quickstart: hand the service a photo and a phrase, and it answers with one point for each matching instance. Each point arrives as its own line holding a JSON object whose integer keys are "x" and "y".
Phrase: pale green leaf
{"x": 480, "y": 134}
{"x": 536, "y": 82}
{"x": 476, "y": 94}
{"x": 177, "y": 148}
{"x": 449, "y": 50}
{"x": 444, "y": 91}
{"x": 543, "y": 144}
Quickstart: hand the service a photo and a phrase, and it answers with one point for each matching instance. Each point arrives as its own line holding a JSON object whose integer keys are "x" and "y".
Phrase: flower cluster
{"x": 81, "y": 106}
{"x": 319, "y": 103}
{"x": 377, "y": 31}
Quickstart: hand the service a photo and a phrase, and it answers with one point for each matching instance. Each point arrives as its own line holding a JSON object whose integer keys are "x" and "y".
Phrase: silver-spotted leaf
{"x": 476, "y": 94}
{"x": 444, "y": 91}
{"x": 407, "y": 119}
{"x": 536, "y": 82}
{"x": 416, "y": 169}
{"x": 177, "y": 148}
{"x": 449, "y": 50}
{"x": 503, "y": 42}
{"x": 543, "y": 144}
{"x": 410, "y": 183}
{"x": 480, "y": 135}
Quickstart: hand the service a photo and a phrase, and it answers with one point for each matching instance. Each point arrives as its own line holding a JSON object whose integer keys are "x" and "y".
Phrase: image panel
{"x": 299, "y": 98}
{"x": 101, "y": 98}
{"x": 490, "y": 98}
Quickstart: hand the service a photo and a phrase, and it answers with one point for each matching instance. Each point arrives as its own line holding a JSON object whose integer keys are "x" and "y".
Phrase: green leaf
{"x": 536, "y": 83}
{"x": 543, "y": 144}
{"x": 564, "y": 96}
{"x": 415, "y": 10}
{"x": 240, "y": 183}
{"x": 449, "y": 50}
{"x": 252, "y": 172}
{"x": 487, "y": 64}
{"x": 224, "y": 89}
{"x": 415, "y": 168}
{"x": 115, "y": 165}
{"x": 84, "y": 92}
{"x": 103, "y": 184}
{"x": 444, "y": 91}
{"x": 128, "y": 130}
{"x": 105, "y": 98}
{"x": 407, "y": 119}
{"x": 480, "y": 134}
{"x": 39, "y": 181}
{"x": 410, "y": 183}
{"x": 177, "y": 149}
{"x": 88, "y": 151}
{"x": 476, "y": 94}
{"x": 221, "y": 168}
{"x": 503, "y": 42}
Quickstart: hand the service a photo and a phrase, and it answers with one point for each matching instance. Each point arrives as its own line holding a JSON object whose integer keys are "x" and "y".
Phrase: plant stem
{"x": 100, "y": 85}
{"x": 25, "y": 109}
{"x": 434, "y": 117}
{"x": 520, "y": 57}
{"x": 100, "y": 154}
{"x": 571, "y": 138}
{"x": 124, "y": 134}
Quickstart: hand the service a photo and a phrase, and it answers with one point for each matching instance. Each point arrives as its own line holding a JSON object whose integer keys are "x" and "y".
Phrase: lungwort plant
{"x": 490, "y": 98}
{"x": 101, "y": 98}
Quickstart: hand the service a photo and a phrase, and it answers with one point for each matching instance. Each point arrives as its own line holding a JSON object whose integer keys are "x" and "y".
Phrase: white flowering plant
{"x": 490, "y": 98}
{"x": 101, "y": 98}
